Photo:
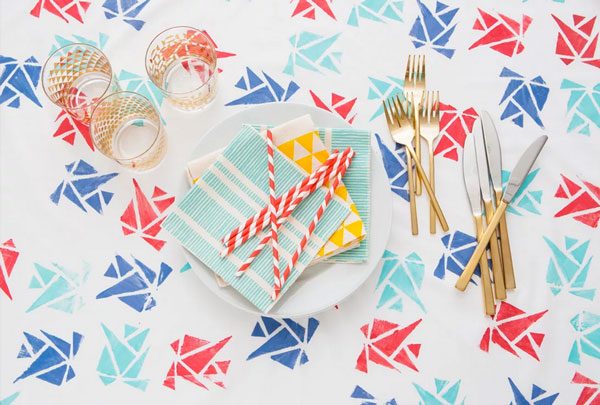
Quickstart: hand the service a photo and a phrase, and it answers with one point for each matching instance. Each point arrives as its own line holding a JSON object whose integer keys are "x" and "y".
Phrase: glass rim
{"x": 213, "y": 65}
{"x": 102, "y": 96}
{"x": 129, "y": 94}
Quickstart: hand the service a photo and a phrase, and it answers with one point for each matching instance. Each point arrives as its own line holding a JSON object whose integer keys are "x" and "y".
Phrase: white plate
{"x": 325, "y": 284}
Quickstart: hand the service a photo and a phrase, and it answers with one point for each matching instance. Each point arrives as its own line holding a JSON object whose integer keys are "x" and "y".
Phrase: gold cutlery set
{"x": 414, "y": 115}
{"x": 411, "y": 117}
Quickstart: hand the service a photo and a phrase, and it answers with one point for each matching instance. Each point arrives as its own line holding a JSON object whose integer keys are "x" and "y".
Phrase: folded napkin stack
{"x": 230, "y": 185}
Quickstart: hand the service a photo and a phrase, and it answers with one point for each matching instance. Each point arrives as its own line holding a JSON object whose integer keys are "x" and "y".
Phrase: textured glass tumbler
{"x": 182, "y": 63}
{"x": 126, "y": 127}
{"x": 76, "y": 77}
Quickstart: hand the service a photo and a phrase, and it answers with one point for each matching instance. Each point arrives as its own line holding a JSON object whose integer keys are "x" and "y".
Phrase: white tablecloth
{"x": 63, "y": 324}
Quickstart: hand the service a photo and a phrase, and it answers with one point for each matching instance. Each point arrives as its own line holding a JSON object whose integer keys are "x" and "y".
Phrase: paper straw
{"x": 256, "y": 223}
{"x": 288, "y": 211}
{"x": 315, "y": 220}
{"x": 272, "y": 212}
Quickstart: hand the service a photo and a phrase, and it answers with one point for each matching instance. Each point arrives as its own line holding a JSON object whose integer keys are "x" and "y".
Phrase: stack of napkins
{"x": 231, "y": 185}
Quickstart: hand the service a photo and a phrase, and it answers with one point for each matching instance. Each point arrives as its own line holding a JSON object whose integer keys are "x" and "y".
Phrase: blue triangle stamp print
{"x": 367, "y": 398}
{"x": 285, "y": 340}
{"x": 394, "y": 163}
{"x": 136, "y": 284}
{"x": 19, "y": 79}
{"x": 523, "y": 97}
{"x": 126, "y": 10}
{"x": 262, "y": 88}
{"x": 51, "y": 357}
{"x": 434, "y": 28}
{"x": 459, "y": 247}
{"x": 84, "y": 187}
{"x": 538, "y": 396}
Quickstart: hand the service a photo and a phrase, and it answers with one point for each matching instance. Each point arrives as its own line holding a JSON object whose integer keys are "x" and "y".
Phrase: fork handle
{"x": 414, "y": 225}
{"x": 417, "y": 140}
{"x": 432, "y": 220}
{"x": 432, "y": 198}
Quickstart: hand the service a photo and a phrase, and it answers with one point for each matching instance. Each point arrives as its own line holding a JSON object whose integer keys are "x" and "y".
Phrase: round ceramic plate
{"x": 325, "y": 284}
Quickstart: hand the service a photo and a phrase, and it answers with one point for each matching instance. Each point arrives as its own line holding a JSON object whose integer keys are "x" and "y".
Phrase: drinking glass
{"x": 182, "y": 63}
{"x": 126, "y": 127}
{"x": 75, "y": 78}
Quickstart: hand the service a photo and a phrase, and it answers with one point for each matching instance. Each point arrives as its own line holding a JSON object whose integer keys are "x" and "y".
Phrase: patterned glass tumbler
{"x": 76, "y": 77}
{"x": 182, "y": 63}
{"x": 127, "y": 128}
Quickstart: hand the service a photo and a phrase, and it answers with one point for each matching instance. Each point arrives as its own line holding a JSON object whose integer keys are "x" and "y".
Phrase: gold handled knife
{"x": 514, "y": 183}
{"x": 494, "y": 156}
{"x": 471, "y": 177}
{"x": 486, "y": 194}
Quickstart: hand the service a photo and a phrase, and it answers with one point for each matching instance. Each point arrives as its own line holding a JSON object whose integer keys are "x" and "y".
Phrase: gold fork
{"x": 430, "y": 128}
{"x": 414, "y": 82}
{"x": 393, "y": 127}
{"x": 402, "y": 131}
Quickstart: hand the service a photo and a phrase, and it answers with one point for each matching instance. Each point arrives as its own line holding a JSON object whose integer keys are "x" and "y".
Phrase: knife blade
{"x": 471, "y": 176}
{"x": 522, "y": 168}
{"x": 484, "y": 185}
{"x": 494, "y": 156}
{"x": 482, "y": 163}
{"x": 492, "y": 149}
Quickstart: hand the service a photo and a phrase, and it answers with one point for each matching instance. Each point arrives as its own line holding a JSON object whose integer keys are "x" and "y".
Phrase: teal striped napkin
{"x": 234, "y": 188}
{"x": 357, "y": 181}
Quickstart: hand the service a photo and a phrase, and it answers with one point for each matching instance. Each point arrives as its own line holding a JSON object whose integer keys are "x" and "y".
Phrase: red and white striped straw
{"x": 256, "y": 223}
{"x": 315, "y": 221}
{"x": 272, "y": 212}
{"x": 289, "y": 209}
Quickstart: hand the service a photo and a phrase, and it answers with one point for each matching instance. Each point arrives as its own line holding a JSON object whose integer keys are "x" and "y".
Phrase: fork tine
{"x": 407, "y": 72}
{"x": 397, "y": 108}
{"x": 387, "y": 116}
{"x": 400, "y": 108}
{"x": 437, "y": 104}
{"x": 422, "y": 68}
{"x": 424, "y": 104}
{"x": 430, "y": 101}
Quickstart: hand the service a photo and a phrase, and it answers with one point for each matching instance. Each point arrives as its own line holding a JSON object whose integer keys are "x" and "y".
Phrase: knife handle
{"x": 486, "y": 282}
{"x": 507, "y": 263}
{"x": 464, "y": 278}
{"x": 414, "y": 225}
{"x": 430, "y": 192}
{"x": 496, "y": 261}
